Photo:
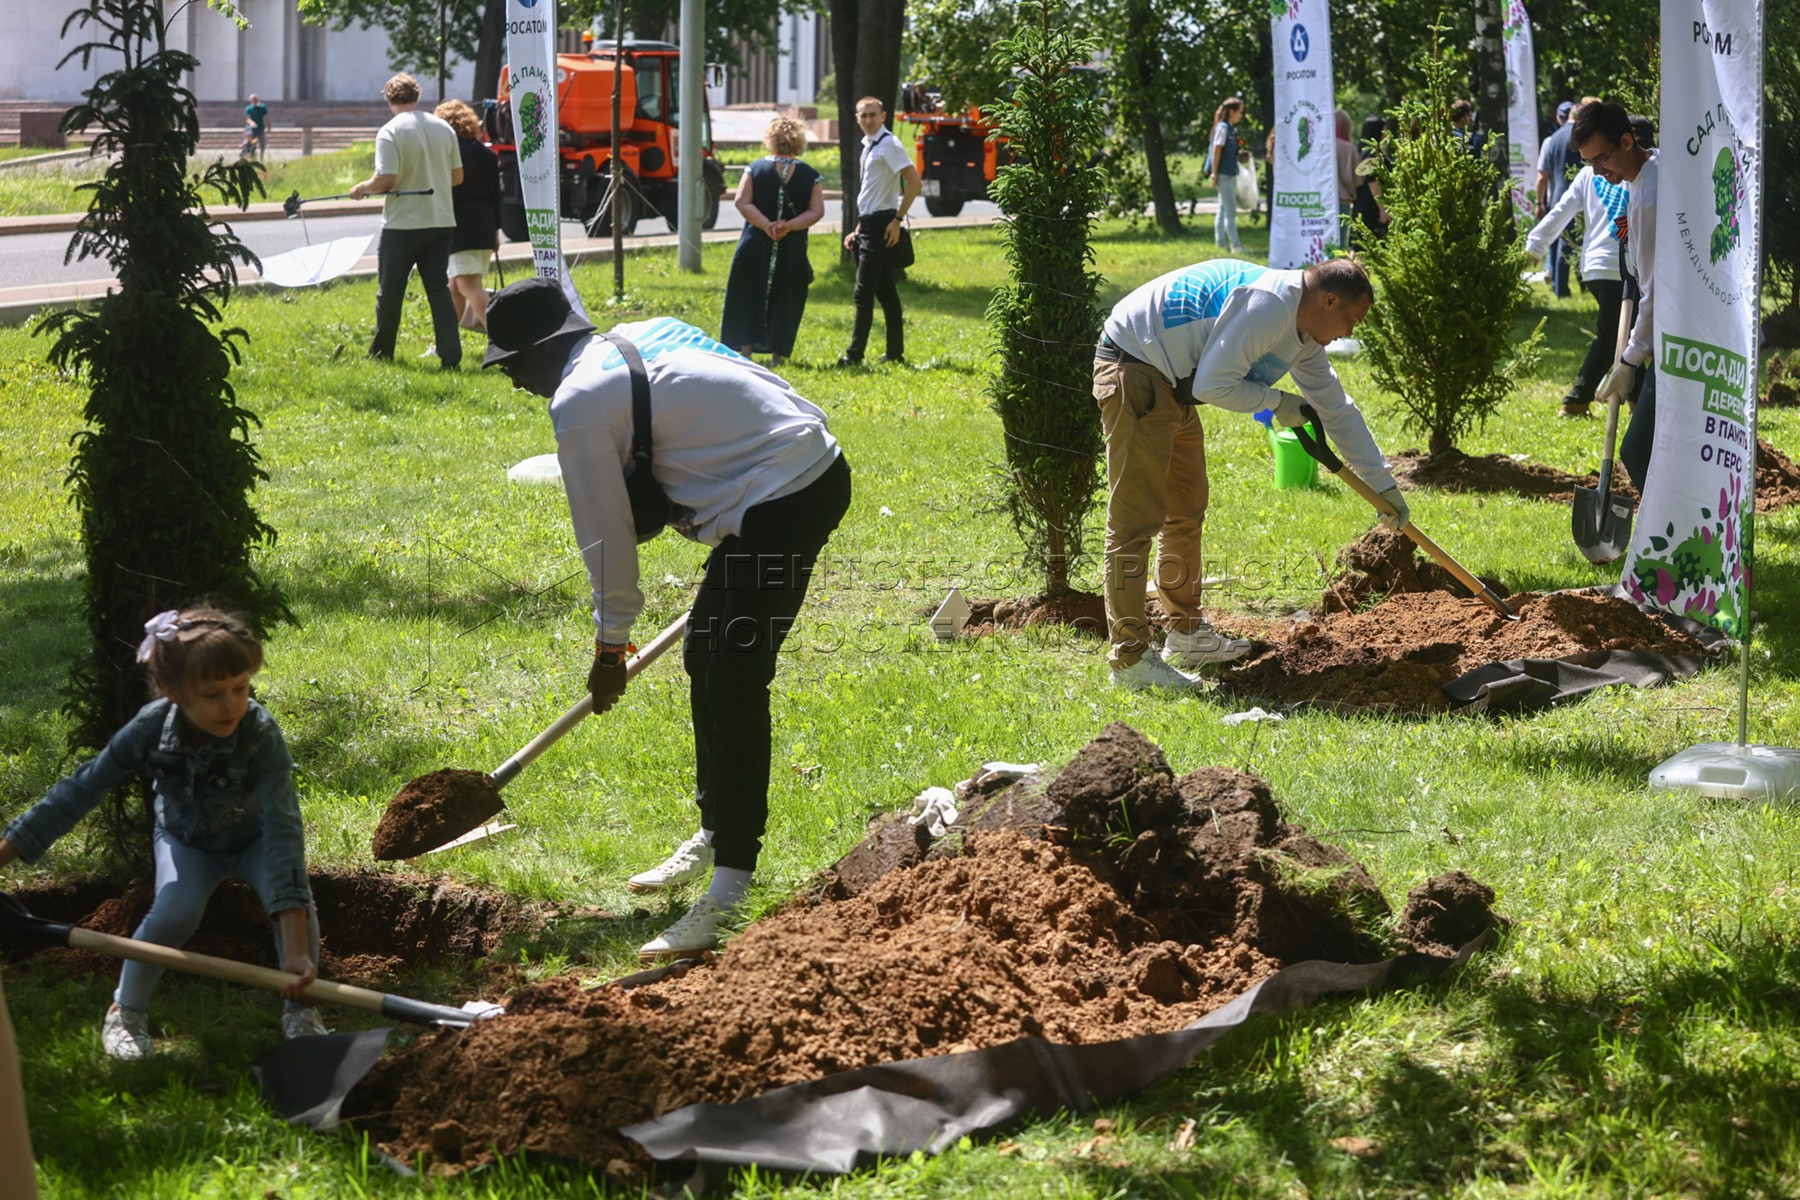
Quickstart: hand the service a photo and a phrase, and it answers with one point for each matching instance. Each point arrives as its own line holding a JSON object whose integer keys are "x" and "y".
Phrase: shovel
{"x": 1602, "y": 525}
{"x": 436, "y": 809}
{"x": 16, "y": 918}
{"x": 1313, "y": 442}
{"x": 291, "y": 206}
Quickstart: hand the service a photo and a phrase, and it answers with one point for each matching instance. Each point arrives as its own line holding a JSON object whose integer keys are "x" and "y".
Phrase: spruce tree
{"x": 1448, "y": 274}
{"x": 1046, "y": 322}
{"x": 163, "y": 467}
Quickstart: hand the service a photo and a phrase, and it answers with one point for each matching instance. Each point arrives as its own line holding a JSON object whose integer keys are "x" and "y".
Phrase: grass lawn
{"x": 26, "y": 193}
{"x": 1636, "y": 1034}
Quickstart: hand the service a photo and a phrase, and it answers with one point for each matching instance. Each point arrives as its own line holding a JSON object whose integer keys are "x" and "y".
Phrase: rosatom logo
{"x": 1728, "y": 195}
{"x": 528, "y": 3}
{"x": 1299, "y": 43}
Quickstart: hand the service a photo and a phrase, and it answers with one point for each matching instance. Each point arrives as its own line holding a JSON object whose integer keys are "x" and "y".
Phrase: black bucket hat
{"x": 526, "y": 314}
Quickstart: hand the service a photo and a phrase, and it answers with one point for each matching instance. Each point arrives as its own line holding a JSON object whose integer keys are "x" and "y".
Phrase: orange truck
{"x": 650, "y": 122}
{"x": 955, "y": 158}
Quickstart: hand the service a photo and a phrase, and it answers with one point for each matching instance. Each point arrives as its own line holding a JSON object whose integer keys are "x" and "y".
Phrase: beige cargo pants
{"x": 1155, "y": 488}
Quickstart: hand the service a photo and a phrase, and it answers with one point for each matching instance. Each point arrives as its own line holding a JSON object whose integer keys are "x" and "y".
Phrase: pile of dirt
{"x": 1383, "y": 563}
{"x": 1118, "y": 899}
{"x": 372, "y": 926}
{"x": 1084, "y": 612}
{"x": 433, "y": 809}
{"x": 1777, "y": 479}
{"x": 1399, "y": 654}
{"x": 1455, "y": 471}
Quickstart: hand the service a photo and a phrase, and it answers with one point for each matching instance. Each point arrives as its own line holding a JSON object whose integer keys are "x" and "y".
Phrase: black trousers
{"x": 749, "y": 597}
{"x": 875, "y": 281}
{"x": 1640, "y": 435}
{"x": 1610, "y": 294}
{"x": 401, "y": 251}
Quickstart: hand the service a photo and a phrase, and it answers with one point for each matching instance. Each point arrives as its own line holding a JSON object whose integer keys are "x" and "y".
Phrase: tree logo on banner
{"x": 1284, "y": 8}
{"x": 1728, "y": 197}
{"x": 534, "y": 115}
{"x": 1709, "y": 252}
{"x": 1306, "y": 120}
{"x": 1299, "y": 43}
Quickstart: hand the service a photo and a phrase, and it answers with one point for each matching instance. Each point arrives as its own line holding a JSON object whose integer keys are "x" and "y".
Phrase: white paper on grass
{"x": 310, "y": 265}
{"x": 539, "y": 468}
{"x": 951, "y": 617}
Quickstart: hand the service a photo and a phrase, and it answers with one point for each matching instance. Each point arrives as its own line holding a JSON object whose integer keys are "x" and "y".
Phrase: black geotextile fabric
{"x": 1522, "y": 685}
{"x": 841, "y": 1122}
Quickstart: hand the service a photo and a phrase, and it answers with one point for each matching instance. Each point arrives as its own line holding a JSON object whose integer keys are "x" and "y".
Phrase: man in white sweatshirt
{"x": 1605, "y": 137}
{"x": 749, "y": 469}
{"x": 1221, "y": 332}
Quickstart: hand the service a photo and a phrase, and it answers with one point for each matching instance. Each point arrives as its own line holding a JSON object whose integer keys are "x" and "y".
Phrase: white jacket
{"x": 1599, "y": 202}
{"x": 726, "y": 435}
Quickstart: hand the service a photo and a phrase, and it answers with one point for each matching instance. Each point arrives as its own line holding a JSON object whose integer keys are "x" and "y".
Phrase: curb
{"x": 18, "y": 305}
{"x": 66, "y": 222}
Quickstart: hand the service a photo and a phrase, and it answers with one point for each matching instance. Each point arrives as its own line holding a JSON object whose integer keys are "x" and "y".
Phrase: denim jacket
{"x": 219, "y": 795}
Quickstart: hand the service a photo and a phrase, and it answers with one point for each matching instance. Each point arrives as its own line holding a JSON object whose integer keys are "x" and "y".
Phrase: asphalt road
{"x": 37, "y": 258}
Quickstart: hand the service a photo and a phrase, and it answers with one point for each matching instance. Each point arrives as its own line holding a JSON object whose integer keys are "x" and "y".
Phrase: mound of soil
{"x": 371, "y": 926}
{"x": 1454, "y": 471}
{"x": 434, "y": 809}
{"x": 1118, "y": 899}
{"x": 1399, "y": 654}
{"x": 1777, "y": 476}
{"x": 1383, "y": 563}
{"x": 1777, "y": 479}
{"x": 1084, "y": 612}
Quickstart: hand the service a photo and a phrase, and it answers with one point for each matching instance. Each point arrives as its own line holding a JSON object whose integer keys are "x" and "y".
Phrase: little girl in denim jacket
{"x": 225, "y": 808}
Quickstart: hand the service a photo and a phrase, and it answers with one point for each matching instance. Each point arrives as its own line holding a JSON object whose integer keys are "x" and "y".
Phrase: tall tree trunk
{"x": 844, "y": 21}
{"x": 1162, "y": 190}
{"x": 1142, "y": 46}
{"x": 1490, "y": 76}
{"x": 865, "y": 41}
{"x": 490, "y": 50}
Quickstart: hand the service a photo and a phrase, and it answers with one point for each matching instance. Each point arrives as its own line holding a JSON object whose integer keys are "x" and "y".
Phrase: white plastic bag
{"x": 1248, "y": 196}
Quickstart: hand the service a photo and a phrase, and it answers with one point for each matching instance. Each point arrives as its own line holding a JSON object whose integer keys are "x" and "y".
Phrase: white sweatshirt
{"x": 1599, "y": 202}
{"x": 1640, "y": 259}
{"x": 726, "y": 435}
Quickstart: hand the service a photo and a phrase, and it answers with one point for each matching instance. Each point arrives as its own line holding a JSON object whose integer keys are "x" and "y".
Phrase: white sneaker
{"x": 430, "y": 352}
{"x": 126, "y": 1034}
{"x": 1204, "y": 647}
{"x": 302, "y": 1022}
{"x": 691, "y": 860}
{"x": 1150, "y": 673}
{"x": 698, "y": 930}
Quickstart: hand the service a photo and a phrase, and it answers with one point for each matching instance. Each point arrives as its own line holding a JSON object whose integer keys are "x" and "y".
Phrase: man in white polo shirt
{"x": 890, "y": 184}
{"x": 413, "y": 152}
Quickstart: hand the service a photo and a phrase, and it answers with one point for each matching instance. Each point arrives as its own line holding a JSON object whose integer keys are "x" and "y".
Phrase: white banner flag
{"x": 533, "y": 79}
{"x": 1690, "y": 552}
{"x": 1521, "y": 112}
{"x": 1303, "y": 220}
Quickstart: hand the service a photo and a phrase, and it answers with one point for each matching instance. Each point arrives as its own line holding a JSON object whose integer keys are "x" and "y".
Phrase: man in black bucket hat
{"x": 750, "y": 469}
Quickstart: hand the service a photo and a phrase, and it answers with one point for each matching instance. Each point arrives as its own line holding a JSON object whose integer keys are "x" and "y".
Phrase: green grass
{"x": 55, "y": 188}
{"x": 1636, "y": 1034}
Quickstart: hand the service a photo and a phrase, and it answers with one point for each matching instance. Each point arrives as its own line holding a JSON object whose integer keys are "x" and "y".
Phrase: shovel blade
{"x": 434, "y": 809}
{"x": 1602, "y": 532}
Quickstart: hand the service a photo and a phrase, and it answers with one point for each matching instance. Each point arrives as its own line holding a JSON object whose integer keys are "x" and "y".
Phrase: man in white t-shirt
{"x": 414, "y": 151}
{"x": 1604, "y": 135}
{"x": 1221, "y": 332}
{"x": 751, "y": 470}
{"x": 890, "y": 184}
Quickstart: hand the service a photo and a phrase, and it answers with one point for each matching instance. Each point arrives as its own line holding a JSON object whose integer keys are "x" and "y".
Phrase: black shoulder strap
{"x": 640, "y": 398}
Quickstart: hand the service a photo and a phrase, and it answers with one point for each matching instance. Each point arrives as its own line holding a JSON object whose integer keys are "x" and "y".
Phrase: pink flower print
{"x": 1665, "y": 587}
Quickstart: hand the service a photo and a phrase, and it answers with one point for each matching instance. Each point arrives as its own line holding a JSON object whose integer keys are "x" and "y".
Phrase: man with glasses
{"x": 1607, "y": 139}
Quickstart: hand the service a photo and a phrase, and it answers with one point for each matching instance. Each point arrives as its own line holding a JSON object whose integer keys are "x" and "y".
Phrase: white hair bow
{"x": 161, "y": 628}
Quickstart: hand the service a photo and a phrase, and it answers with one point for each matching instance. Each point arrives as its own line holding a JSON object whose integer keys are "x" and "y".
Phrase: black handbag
{"x": 900, "y": 254}
{"x": 650, "y": 505}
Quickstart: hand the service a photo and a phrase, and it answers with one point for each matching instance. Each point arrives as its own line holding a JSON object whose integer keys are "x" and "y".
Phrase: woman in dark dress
{"x": 1368, "y": 205}
{"x": 765, "y": 295}
{"x": 477, "y": 201}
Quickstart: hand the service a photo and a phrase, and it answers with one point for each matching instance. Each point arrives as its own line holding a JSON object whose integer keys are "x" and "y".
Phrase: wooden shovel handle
{"x": 232, "y": 971}
{"x": 582, "y": 708}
